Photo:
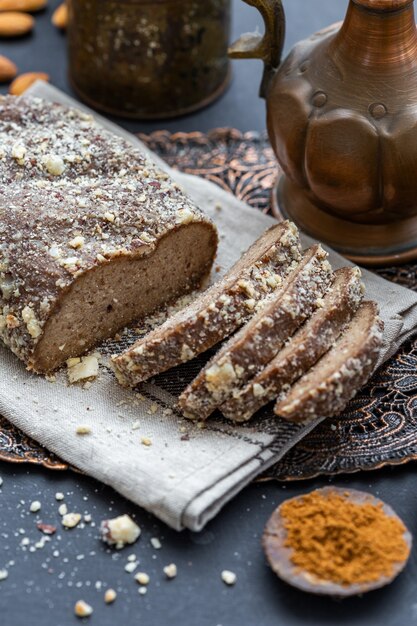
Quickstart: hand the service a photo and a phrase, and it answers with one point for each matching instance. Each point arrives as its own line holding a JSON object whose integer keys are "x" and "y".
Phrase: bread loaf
{"x": 305, "y": 347}
{"x": 251, "y": 348}
{"x": 326, "y": 389}
{"x": 218, "y": 312}
{"x": 92, "y": 234}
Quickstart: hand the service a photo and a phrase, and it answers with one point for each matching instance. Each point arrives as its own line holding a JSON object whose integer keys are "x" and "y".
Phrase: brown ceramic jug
{"x": 342, "y": 120}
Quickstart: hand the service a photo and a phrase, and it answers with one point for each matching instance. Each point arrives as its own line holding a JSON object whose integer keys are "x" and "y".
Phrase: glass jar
{"x": 148, "y": 58}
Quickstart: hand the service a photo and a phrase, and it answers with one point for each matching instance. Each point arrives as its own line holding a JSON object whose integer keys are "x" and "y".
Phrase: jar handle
{"x": 267, "y": 47}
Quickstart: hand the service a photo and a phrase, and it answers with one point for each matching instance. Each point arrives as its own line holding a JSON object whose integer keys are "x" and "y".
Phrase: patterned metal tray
{"x": 379, "y": 426}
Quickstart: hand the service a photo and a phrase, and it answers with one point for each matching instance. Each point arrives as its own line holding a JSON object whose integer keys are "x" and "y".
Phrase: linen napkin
{"x": 138, "y": 443}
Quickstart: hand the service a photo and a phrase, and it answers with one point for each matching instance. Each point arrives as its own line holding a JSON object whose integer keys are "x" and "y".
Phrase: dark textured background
{"x": 41, "y": 588}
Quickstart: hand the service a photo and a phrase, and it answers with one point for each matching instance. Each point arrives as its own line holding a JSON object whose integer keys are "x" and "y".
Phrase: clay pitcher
{"x": 342, "y": 120}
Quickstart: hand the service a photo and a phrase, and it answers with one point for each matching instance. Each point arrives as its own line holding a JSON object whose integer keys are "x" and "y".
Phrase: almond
{"x": 8, "y": 70}
{"x": 15, "y": 24}
{"x": 28, "y": 6}
{"x": 24, "y": 81}
{"x": 60, "y": 16}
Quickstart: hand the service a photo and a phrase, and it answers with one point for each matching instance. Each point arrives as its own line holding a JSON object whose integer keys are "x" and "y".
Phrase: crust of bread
{"x": 254, "y": 345}
{"x": 303, "y": 350}
{"x": 217, "y": 312}
{"x": 327, "y": 388}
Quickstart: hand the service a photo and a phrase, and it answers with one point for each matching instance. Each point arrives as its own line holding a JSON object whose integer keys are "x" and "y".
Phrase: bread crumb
{"x": 142, "y": 578}
{"x": 35, "y": 506}
{"x": 3, "y": 574}
{"x": 156, "y": 543}
{"x": 170, "y": 570}
{"x": 142, "y": 590}
{"x": 110, "y": 596}
{"x": 131, "y": 566}
{"x": 71, "y": 520}
{"x": 228, "y": 577}
{"x": 146, "y": 441}
{"x": 82, "y": 609}
{"x": 63, "y": 509}
{"x": 119, "y": 531}
{"x": 83, "y": 430}
{"x": 82, "y": 369}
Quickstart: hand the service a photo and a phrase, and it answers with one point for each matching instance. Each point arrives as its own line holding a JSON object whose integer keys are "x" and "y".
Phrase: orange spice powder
{"x": 340, "y": 541}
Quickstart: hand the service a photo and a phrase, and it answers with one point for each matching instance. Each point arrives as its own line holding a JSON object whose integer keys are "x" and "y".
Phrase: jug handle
{"x": 267, "y": 47}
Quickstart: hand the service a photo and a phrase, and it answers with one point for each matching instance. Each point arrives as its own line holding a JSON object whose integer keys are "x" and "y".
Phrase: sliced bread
{"x": 218, "y": 312}
{"x": 326, "y": 389}
{"x": 306, "y": 346}
{"x": 254, "y": 345}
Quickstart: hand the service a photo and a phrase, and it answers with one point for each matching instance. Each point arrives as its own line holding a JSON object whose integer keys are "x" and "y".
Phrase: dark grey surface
{"x": 240, "y": 107}
{"x": 41, "y": 588}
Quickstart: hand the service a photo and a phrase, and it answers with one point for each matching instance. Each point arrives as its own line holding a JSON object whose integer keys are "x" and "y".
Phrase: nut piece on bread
{"x": 92, "y": 234}
{"x": 218, "y": 312}
{"x": 326, "y": 389}
{"x": 303, "y": 350}
{"x": 251, "y": 348}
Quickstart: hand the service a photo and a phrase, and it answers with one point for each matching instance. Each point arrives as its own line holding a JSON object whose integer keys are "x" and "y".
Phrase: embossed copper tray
{"x": 379, "y": 426}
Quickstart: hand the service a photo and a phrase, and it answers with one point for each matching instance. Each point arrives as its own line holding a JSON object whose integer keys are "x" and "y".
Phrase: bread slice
{"x": 302, "y": 351}
{"x": 92, "y": 234}
{"x": 252, "y": 347}
{"x": 326, "y": 389}
{"x": 218, "y": 312}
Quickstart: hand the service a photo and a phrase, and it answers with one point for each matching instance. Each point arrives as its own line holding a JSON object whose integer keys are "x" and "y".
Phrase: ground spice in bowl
{"x": 336, "y": 541}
